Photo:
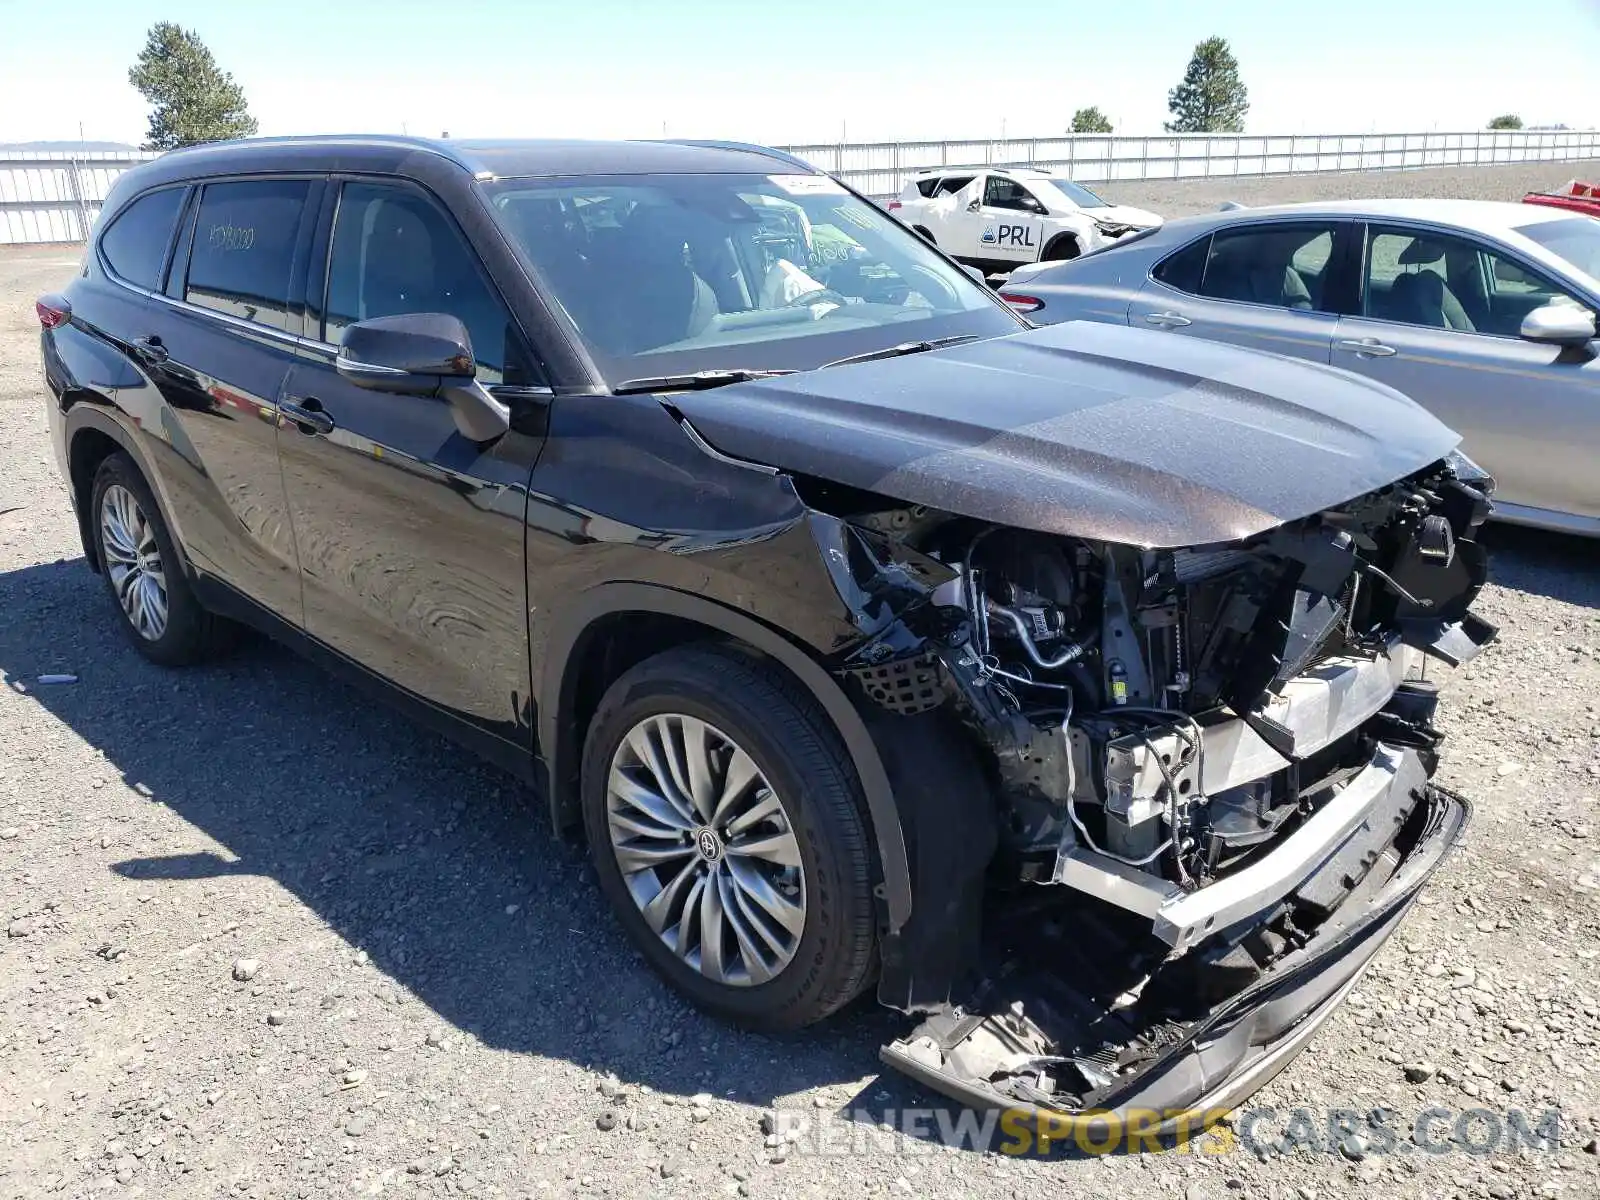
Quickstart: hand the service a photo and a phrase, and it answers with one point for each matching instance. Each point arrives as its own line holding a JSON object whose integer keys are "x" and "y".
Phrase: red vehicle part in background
{"x": 1576, "y": 195}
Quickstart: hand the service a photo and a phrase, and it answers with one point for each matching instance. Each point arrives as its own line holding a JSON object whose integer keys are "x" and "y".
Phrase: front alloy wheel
{"x": 726, "y": 823}
{"x": 706, "y": 849}
{"x": 133, "y": 562}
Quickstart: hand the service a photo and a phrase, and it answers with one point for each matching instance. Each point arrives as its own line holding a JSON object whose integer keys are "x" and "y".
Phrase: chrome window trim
{"x": 278, "y": 335}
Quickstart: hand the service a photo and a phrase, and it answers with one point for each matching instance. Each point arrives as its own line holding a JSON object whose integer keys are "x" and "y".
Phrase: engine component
{"x": 1040, "y": 624}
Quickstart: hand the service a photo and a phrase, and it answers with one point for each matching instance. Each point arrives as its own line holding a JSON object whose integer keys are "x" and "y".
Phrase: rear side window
{"x": 1279, "y": 265}
{"x": 926, "y": 186}
{"x": 243, "y": 255}
{"x": 135, "y": 243}
{"x": 395, "y": 253}
{"x": 951, "y": 184}
{"x": 1184, "y": 269}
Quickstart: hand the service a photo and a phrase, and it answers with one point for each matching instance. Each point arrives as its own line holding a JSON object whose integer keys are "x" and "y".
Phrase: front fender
{"x": 557, "y": 689}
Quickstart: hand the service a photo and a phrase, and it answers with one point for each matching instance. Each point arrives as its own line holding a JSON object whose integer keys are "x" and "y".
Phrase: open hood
{"x": 1097, "y": 431}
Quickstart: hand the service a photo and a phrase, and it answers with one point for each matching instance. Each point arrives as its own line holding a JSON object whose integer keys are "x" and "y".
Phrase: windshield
{"x": 1078, "y": 194}
{"x": 1576, "y": 239}
{"x": 672, "y": 274}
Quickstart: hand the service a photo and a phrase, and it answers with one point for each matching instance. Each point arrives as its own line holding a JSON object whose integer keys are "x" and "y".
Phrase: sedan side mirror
{"x": 423, "y": 354}
{"x": 1559, "y": 325}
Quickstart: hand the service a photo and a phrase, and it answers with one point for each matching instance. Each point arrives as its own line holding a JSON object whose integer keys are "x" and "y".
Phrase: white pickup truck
{"x": 994, "y": 218}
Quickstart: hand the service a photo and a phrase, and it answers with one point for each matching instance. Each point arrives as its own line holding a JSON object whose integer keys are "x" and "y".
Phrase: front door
{"x": 1439, "y": 319}
{"x": 1270, "y": 286}
{"x": 410, "y": 536}
{"x": 1007, "y": 225}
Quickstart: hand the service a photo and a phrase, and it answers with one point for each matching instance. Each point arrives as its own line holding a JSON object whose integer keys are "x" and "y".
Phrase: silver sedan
{"x": 1482, "y": 312}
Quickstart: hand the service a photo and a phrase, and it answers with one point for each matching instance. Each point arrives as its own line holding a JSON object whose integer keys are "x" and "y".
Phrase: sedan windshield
{"x": 666, "y": 275}
{"x": 1576, "y": 239}
{"x": 1078, "y": 194}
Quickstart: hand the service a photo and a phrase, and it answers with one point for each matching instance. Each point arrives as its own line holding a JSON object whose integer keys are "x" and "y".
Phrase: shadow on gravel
{"x": 406, "y": 846}
{"x": 1556, "y": 565}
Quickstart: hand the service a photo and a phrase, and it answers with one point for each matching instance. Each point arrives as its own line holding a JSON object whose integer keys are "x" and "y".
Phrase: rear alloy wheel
{"x": 133, "y": 563}
{"x": 144, "y": 573}
{"x": 726, "y": 824}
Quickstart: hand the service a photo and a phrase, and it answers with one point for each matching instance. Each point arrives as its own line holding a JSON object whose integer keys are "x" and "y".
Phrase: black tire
{"x": 1064, "y": 246}
{"x": 926, "y": 233}
{"x": 767, "y": 714}
{"x": 191, "y": 634}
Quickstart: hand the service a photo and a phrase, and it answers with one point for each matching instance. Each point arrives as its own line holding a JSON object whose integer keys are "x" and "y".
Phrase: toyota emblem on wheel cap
{"x": 710, "y": 845}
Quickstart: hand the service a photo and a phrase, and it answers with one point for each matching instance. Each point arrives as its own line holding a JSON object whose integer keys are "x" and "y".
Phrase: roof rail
{"x": 748, "y": 147}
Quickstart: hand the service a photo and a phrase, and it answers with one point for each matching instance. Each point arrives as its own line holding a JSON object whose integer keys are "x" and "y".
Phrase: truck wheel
{"x": 1061, "y": 248}
{"x": 725, "y": 821}
{"x": 927, "y": 233}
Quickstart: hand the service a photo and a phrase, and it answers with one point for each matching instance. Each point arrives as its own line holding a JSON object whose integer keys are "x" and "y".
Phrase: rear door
{"x": 1270, "y": 286}
{"x": 1439, "y": 317}
{"x": 217, "y": 342}
{"x": 945, "y": 216}
{"x": 411, "y": 536}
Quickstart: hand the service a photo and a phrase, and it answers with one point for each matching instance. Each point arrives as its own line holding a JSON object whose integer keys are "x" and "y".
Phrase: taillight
{"x": 1021, "y": 302}
{"x": 894, "y": 204}
{"x": 53, "y": 311}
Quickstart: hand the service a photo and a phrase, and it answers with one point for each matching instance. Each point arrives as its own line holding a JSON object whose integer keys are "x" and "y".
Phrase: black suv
{"x": 1063, "y": 681}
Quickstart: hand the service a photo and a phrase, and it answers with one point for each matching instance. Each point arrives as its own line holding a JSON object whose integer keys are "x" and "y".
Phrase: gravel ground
{"x": 265, "y": 939}
{"x": 1174, "y": 198}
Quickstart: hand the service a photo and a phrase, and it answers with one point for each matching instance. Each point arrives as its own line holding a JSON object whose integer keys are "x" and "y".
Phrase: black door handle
{"x": 149, "y": 350}
{"x": 307, "y": 415}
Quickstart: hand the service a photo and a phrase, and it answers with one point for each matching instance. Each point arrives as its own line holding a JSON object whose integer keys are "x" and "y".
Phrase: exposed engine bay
{"x": 1202, "y": 756}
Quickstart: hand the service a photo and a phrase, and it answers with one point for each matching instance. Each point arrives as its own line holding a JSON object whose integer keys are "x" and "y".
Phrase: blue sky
{"x": 786, "y": 71}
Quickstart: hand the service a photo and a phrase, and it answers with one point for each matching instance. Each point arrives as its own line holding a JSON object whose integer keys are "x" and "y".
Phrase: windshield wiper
{"x": 693, "y": 382}
{"x": 903, "y": 348}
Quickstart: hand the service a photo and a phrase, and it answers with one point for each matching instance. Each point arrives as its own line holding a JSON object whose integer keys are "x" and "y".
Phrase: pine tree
{"x": 1212, "y": 98}
{"x": 1090, "y": 120}
{"x": 194, "y": 100}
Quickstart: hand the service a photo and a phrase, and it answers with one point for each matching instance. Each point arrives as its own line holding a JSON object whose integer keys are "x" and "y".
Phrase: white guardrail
{"x": 54, "y": 196}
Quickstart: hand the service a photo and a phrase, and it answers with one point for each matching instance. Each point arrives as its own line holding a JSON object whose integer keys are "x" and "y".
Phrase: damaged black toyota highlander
{"x": 1070, "y": 685}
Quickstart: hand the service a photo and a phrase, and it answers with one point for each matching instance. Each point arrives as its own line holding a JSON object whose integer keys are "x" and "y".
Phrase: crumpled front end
{"x": 1196, "y": 782}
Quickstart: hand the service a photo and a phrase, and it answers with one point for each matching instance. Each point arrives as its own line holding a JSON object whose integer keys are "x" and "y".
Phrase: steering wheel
{"x": 813, "y": 297}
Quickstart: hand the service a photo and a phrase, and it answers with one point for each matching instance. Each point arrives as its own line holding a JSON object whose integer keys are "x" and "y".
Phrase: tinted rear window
{"x": 1184, "y": 269}
{"x": 135, "y": 243}
{"x": 243, "y": 255}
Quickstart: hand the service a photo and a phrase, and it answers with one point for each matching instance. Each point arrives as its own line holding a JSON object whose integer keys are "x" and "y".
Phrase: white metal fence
{"x": 880, "y": 168}
{"x": 55, "y": 196}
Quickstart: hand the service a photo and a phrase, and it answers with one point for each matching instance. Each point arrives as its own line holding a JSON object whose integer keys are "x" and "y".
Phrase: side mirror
{"x": 974, "y": 205}
{"x": 1559, "y": 325}
{"x": 423, "y": 354}
{"x": 976, "y": 273}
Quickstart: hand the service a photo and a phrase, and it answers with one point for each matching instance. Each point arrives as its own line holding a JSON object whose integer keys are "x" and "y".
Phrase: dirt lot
{"x": 440, "y": 1006}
